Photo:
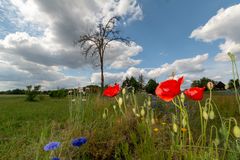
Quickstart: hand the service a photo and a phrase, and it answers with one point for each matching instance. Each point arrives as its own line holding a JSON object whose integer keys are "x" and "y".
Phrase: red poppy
{"x": 168, "y": 89}
{"x": 111, "y": 91}
{"x": 195, "y": 93}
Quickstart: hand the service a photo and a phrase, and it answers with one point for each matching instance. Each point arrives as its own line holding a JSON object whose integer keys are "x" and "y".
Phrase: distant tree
{"x": 196, "y": 83}
{"x": 134, "y": 83}
{"x": 32, "y": 92}
{"x": 126, "y": 82}
{"x": 232, "y": 82}
{"x": 151, "y": 86}
{"x": 131, "y": 83}
{"x": 95, "y": 43}
{"x": 202, "y": 82}
{"x": 141, "y": 81}
{"x": 60, "y": 93}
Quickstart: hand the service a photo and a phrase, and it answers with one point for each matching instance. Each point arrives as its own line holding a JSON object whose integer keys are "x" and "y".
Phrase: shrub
{"x": 151, "y": 86}
{"x": 32, "y": 92}
{"x": 61, "y": 93}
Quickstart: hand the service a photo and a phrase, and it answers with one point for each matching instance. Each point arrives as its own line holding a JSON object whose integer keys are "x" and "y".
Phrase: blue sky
{"x": 167, "y": 25}
{"x": 188, "y": 37}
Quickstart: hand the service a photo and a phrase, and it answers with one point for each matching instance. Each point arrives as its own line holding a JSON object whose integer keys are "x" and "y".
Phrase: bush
{"x": 61, "y": 93}
{"x": 32, "y": 92}
{"x": 151, "y": 86}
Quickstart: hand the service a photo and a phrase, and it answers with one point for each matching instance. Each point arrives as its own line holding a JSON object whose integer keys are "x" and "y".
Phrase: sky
{"x": 190, "y": 38}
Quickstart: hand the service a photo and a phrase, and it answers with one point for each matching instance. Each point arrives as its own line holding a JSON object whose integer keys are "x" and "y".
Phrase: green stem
{"x": 201, "y": 120}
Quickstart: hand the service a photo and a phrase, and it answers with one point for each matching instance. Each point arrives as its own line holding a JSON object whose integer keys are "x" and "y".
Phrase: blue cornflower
{"x": 55, "y": 158}
{"x": 51, "y": 146}
{"x": 79, "y": 141}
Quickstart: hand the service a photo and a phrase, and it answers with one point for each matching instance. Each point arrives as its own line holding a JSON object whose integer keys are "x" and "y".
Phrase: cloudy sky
{"x": 188, "y": 37}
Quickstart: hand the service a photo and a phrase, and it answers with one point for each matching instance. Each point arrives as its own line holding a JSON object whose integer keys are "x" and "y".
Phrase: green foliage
{"x": 26, "y": 127}
{"x": 61, "y": 93}
{"x": 32, "y": 92}
{"x": 141, "y": 81}
{"x": 131, "y": 83}
{"x": 14, "y": 91}
{"x": 231, "y": 83}
{"x": 202, "y": 82}
{"x": 151, "y": 86}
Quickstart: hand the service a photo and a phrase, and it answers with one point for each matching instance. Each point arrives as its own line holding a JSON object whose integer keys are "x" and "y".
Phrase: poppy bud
{"x": 104, "y": 116}
{"x": 211, "y": 115}
{"x": 216, "y": 141}
{"x": 205, "y": 115}
{"x": 184, "y": 122}
{"x": 142, "y": 112}
{"x": 137, "y": 115}
{"x": 123, "y": 91}
{"x": 120, "y": 101}
{"x": 127, "y": 97}
{"x": 134, "y": 110}
{"x": 182, "y": 97}
{"x": 210, "y": 85}
{"x": 114, "y": 107}
{"x": 153, "y": 121}
{"x": 236, "y": 131}
{"x": 175, "y": 127}
{"x": 149, "y": 102}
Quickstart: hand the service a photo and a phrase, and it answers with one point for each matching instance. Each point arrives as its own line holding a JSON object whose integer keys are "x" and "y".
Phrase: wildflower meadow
{"x": 120, "y": 123}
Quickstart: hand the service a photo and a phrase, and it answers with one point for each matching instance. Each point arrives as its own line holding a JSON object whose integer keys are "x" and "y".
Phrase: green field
{"x": 25, "y": 127}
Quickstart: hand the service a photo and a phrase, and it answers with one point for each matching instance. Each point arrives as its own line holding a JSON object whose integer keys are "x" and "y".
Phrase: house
{"x": 219, "y": 86}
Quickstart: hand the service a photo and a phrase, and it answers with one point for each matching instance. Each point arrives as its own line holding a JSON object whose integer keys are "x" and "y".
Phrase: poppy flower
{"x": 195, "y": 93}
{"x": 168, "y": 89}
{"x": 79, "y": 141}
{"x": 51, "y": 146}
{"x": 111, "y": 91}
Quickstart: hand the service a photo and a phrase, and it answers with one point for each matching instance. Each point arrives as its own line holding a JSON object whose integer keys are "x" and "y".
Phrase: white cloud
{"x": 224, "y": 25}
{"x": 187, "y": 67}
{"x": 45, "y": 32}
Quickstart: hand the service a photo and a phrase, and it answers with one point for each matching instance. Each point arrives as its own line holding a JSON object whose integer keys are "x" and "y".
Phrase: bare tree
{"x": 94, "y": 44}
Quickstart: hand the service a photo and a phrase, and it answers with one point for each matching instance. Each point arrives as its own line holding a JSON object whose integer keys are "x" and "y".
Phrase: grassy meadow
{"x": 25, "y": 127}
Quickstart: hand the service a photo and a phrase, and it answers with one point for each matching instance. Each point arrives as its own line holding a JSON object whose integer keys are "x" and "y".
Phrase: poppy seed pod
{"x": 236, "y": 131}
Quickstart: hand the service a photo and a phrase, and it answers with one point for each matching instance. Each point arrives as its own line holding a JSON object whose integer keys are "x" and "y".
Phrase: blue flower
{"x": 55, "y": 158}
{"x": 79, "y": 141}
{"x": 51, "y": 146}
